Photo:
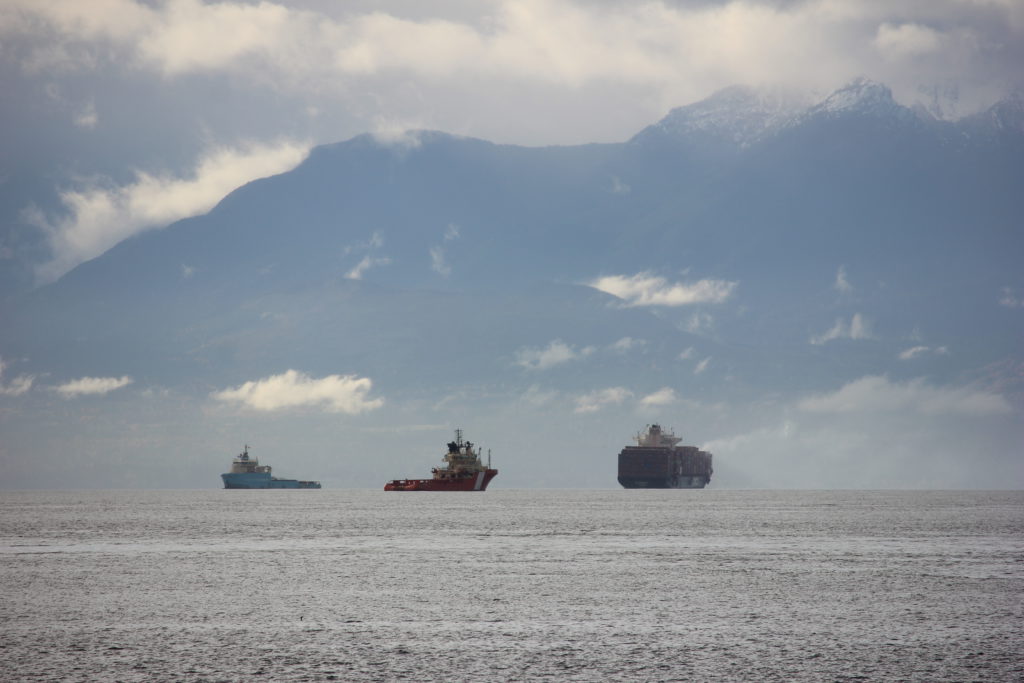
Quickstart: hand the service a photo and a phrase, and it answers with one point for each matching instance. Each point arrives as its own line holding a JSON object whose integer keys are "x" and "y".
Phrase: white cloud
{"x": 917, "y": 351}
{"x": 842, "y": 283}
{"x": 538, "y": 397}
{"x": 100, "y": 217}
{"x": 702, "y": 366}
{"x": 364, "y": 265}
{"x": 906, "y": 40}
{"x": 596, "y": 400}
{"x": 1009, "y": 299}
{"x": 699, "y": 322}
{"x": 644, "y": 289}
{"x": 687, "y": 353}
{"x": 92, "y": 385}
{"x": 627, "y": 344}
{"x": 17, "y": 386}
{"x": 293, "y": 389}
{"x": 87, "y": 117}
{"x": 438, "y": 259}
{"x": 376, "y": 241}
{"x": 438, "y": 263}
{"x": 913, "y": 352}
{"x": 857, "y": 328}
{"x": 877, "y": 394}
{"x": 401, "y": 136}
{"x": 555, "y": 353}
{"x": 191, "y": 35}
{"x": 661, "y": 397}
{"x": 436, "y": 57}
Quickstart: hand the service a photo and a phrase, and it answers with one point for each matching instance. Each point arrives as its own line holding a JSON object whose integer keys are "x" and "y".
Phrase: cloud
{"x": 654, "y": 53}
{"x": 842, "y": 284}
{"x": 912, "y": 352}
{"x": 687, "y": 353}
{"x": 857, "y": 328}
{"x": 917, "y": 351}
{"x": 644, "y": 289}
{"x": 906, "y": 40}
{"x": 596, "y": 400}
{"x": 87, "y": 117}
{"x": 438, "y": 259}
{"x": 401, "y": 136}
{"x": 702, "y": 366}
{"x": 293, "y": 389}
{"x": 627, "y": 344}
{"x": 556, "y": 353}
{"x": 699, "y": 321}
{"x": 877, "y": 394}
{"x": 538, "y": 397}
{"x": 17, "y": 386}
{"x": 1009, "y": 299}
{"x": 661, "y": 397}
{"x": 192, "y": 36}
{"x": 364, "y": 265}
{"x": 376, "y": 241}
{"x": 438, "y": 263}
{"x": 100, "y": 217}
{"x": 92, "y": 385}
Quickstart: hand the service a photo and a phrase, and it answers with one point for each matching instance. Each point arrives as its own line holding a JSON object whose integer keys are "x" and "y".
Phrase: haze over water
{"x": 511, "y": 585}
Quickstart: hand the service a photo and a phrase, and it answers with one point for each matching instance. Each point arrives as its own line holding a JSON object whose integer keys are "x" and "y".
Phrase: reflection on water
{"x": 567, "y": 585}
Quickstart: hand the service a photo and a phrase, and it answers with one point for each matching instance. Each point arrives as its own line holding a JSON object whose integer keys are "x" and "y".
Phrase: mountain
{"x": 759, "y": 254}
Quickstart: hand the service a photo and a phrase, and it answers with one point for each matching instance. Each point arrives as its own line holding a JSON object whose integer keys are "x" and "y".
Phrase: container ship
{"x": 247, "y": 473}
{"x": 658, "y": 462}
{"x": 462, "y": 471}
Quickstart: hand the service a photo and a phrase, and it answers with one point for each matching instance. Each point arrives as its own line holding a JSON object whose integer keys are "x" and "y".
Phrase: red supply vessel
{"x": 463, "y": 471}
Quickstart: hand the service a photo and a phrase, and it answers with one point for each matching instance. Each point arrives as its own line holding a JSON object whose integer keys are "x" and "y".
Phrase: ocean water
{"x": 596, "y": 585}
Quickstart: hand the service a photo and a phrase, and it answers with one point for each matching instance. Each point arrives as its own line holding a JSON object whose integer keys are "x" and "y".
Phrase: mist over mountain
{"x": 823, "y": 293}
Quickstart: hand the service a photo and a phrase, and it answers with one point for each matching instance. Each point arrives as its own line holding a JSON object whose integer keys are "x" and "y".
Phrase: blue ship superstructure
{"x": 247, "y": 473}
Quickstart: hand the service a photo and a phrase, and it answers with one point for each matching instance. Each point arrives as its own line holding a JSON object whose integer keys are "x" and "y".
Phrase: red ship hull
{"x": 477, "y": 481}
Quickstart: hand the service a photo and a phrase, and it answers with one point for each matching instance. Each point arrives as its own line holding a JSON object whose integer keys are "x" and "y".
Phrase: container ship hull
{"x": 477, "y": 482}
{"x": 658, "y": 463}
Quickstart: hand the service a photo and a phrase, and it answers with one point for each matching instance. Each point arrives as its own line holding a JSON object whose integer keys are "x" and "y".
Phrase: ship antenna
{"x": 488, "y": 458}
{"x": 458, "y": 437}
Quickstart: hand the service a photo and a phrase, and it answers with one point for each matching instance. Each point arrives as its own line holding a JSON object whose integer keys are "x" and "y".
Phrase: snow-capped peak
{"x": 1008, "y": 113}
{"x": 861, "y": 96}
{"x": 738, "y": 114}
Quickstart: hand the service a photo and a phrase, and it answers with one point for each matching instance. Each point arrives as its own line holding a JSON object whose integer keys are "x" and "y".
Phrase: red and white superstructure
{"x": 463, "y": 471}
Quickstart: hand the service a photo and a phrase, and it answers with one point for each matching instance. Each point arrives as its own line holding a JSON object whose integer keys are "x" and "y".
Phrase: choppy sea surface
{"x": 596, "y": 585}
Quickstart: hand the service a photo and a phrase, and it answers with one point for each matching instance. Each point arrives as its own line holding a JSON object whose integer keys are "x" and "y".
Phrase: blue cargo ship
{"x": 247, "y": 473}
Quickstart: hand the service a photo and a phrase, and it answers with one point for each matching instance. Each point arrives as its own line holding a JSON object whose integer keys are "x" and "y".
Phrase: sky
{"x": 125, "y": 115}
{"x": 121, "y": 116}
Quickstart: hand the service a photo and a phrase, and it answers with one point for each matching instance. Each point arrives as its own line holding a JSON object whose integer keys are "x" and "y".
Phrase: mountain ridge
{"x": 729, "y": 274}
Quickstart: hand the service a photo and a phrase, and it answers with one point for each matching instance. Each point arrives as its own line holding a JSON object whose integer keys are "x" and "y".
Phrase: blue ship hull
{"x": 263, "y": 480}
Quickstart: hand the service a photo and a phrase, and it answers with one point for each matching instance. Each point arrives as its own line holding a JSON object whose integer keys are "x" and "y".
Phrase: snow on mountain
{"x": 1007, "y": 115}
{"x": 940, "y": 102}
{"x": 864, "y": 98}
{"x": 739, "y": 115}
